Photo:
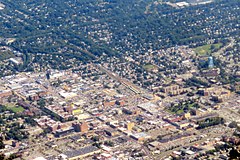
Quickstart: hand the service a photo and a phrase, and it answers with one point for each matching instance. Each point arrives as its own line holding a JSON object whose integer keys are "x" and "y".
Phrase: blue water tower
{"x": 210, "y": 62}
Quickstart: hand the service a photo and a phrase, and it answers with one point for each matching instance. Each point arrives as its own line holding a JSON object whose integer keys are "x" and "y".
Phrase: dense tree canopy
{"x": 112, "y": 27}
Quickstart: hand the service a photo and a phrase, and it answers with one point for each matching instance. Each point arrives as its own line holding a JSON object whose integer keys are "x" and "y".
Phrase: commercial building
{"x": 217, "y": 94}
{"x": 81, "y": 127}
{"x": 64, "y": 132}
{"x": 111, "y": 132}
{"x": 140, "y": 136}
{"x": 130, "y": 126}
{"x": 173, "y": 90}
{"x": 81, "y": 153}
{"x": 5, "y": 93}
{"x": 149, "y": 107}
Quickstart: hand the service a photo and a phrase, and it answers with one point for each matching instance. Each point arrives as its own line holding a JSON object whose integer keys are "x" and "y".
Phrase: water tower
{"x": 210, "y": 62}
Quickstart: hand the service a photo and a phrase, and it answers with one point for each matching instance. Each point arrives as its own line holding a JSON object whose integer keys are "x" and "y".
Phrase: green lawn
{"x": 185, "y": 107}
{"x": 206, "y": 49}
{"x": 15, "y": 109}
{"x": 149, "y": 67}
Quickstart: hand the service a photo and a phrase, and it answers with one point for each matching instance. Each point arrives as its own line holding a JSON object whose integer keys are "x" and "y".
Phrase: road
{"x": 125, "y": 82}
{"x": 222, "y": 50}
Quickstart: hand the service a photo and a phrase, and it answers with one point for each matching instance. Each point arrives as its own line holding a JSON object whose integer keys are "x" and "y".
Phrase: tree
{"x": 50, "y": 100}
{"x": 13, "y": 156}
{"x": 95, "y": 138}
{"x": 2, "y": 145}
{"x": 41, "y": 103}
{"x": 212, "y": 47}
{"x": 109, "y": 143}
{"x": 30, "y": 121}
{"x": 159, "y": 137}
{"x": 233, "y": 124}
{"x": 234, "y": 154}
{"x": 2, "y": 156}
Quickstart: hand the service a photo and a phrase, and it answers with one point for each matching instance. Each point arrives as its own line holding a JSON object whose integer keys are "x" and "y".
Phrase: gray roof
{"x": 81, "y": 151}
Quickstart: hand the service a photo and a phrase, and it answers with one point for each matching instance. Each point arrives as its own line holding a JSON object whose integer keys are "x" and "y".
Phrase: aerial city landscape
{"x": 119, "y": 79}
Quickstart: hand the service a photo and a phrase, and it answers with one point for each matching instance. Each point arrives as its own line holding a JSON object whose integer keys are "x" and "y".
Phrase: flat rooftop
{"x": 81, "y": 151}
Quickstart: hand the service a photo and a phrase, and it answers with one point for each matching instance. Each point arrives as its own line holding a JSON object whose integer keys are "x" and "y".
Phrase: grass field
{"x": 149, "y": 67}
{"x": 15, "y": 109}
{"x": 206, "y": 49}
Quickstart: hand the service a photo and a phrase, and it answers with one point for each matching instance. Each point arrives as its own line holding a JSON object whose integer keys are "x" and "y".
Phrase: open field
{"x": 206, "y": 49}
{"x": 149, "y": 67}
{"x": 15, "y": 108}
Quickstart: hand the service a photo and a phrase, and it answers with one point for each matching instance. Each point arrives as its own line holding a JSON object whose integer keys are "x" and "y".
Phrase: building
{"x": 81, "y": 127}
{"x": 84, "y": 127}
{"x": 130, "y": 126}
{"x": 109, "y": 103}
{"x": 34, "y": 131}
{"x": 182, "y": 124}
{"x": 39, "y": 158}
{"x": 120, "y": 102}
{"x": 187, "y": 115}
{"x": 58, "y": 111}
{"x": 221, "y": 98}
{"x": 5, "y": 93}
{"x": 172, "y": 119}
{"x": 68, "y": 109}
{"x": 148, "y": 107}
{"x": 210, "y": 62}
{"x": 173, "y": 90}
{"x": 140, "y": 136}
{"x": 15, "y": 143}
{"x": 212, "y": 72}
{"x": 77, "y": 138}
{"x": 77, "y": 111}
{"x": 64, "y": 132}
{"x": 111, "y": 132}
{"x": 237, "y": 86}
{"x": 104, "y": 156}
{"x": 217, "y": 94}
{"x": 197, "y": 119}
{"x": 81, "y": 153}
{"x": 67, "y": 95}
